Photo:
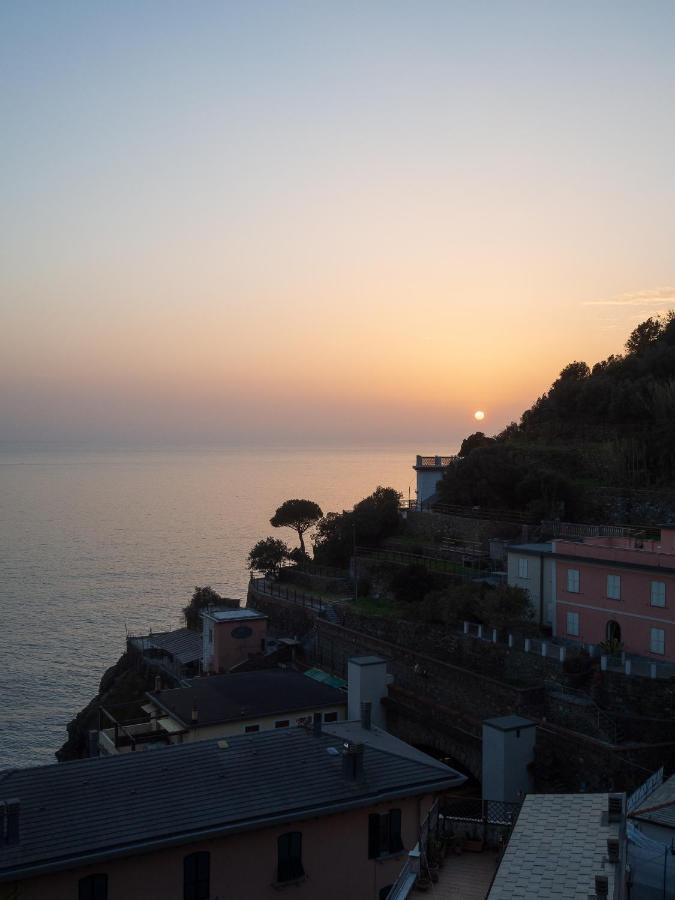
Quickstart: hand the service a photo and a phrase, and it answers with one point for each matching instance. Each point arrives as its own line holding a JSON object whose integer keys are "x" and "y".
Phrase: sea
{"x": 96, "y": 543}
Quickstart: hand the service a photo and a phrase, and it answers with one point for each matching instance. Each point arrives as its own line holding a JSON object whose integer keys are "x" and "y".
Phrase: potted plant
{"x": 423, "y": 882}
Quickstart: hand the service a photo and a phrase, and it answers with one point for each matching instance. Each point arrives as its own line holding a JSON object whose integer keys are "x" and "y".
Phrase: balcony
{"x": 129, "y": 728}
{"x": 460, "y": 846}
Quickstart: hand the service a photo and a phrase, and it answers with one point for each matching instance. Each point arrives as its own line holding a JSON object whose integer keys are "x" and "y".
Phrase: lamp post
{"x": 356, "y": 577}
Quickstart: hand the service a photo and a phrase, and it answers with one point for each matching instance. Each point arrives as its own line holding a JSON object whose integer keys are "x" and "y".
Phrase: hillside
{"x": 611, "y": 427}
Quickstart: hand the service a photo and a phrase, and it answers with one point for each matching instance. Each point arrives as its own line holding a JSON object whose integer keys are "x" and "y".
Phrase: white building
{"x": 430, "y": 470}
{"x": 532, "y": 567}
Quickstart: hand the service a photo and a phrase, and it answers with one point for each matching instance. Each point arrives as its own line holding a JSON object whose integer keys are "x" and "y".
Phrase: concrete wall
{"x": 507, "y": 762}
{"x": 539, "y": 583}
{"x": 243, "y": 867}
{"x": 266, "y": 723}
{"x": 427, "y": 481}
{"x": 228, "y": 651}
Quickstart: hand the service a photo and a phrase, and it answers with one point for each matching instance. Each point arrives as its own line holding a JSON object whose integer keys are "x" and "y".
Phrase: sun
{"x": 479, "y": 415}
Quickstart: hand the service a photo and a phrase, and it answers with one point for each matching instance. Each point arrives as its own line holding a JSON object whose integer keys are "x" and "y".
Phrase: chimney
{"x": 352, "y": 761}
{"x": 367, "y": 683}
{"x": 195, "y": 715}
{"x": 366, "y": 715}
{"x": 613, "y": 850}
{"x": 93, "y": 743}
{"x": 158, "y": 682}
{"x": 601, "y": 886}
{"x": 316, "y": 724}
{"x": 615, "y": 808}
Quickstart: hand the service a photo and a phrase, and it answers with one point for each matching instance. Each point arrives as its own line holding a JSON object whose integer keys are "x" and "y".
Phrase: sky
{"x": 313, "y": 222}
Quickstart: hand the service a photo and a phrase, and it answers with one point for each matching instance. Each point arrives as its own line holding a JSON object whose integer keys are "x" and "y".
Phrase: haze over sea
{"x": 93, "y": 541}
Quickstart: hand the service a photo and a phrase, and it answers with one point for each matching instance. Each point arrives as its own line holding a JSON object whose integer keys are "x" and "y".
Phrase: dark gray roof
{"x": 531, "y": 548}
{"x": 509, "y": 723}
{"x": 247, "y": 695}
{"x": 94, "y": 809}
{"x": 184, "y": 644}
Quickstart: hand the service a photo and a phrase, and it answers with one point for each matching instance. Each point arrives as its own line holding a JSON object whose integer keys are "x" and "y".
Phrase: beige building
{"x": 329, "y": 813}
{"x": 223, "y": 705}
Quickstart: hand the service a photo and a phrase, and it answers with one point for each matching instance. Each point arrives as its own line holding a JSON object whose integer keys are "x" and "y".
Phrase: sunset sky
{"x": 311, "y": 221}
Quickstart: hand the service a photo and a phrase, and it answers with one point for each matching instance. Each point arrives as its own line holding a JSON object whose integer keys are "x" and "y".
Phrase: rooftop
{"x": 247, "y": 695}
{"x": 558, "y": 846}
{"x": 659, "y": 806}
{"x": 183, "y": 644}
{"x": 433, "y": 462}
{"x": 509, "y": 723}
{"x": 545, "y": 547}
{"x": 93, "y": 809}
{"x": 232, "y": 615}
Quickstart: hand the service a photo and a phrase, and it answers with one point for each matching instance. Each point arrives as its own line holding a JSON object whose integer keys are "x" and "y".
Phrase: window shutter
{"x": 190, "y": 877}
{"x": 395, "y": 841}
{"x": 373, "y": 836}
{"x": 100, "y": 887}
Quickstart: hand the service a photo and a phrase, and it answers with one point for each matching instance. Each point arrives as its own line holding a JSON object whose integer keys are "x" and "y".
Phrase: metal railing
{"x": 432, "y": 563}
{"x": 433, "y": 462}
{"x": 488, "y": 820}
{"x": 407, "y": 877}
{"x": 481, "y": 512}
{"x": 288, "y": 593}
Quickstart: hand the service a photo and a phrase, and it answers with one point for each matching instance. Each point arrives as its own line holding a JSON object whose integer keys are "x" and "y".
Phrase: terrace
{"x": 460, "y": 845}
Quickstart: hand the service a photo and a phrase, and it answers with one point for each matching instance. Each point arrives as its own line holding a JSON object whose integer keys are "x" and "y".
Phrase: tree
{"x": 267, "y": 556}
{"x": 202, "y": 598}
{"x": 644, "y": 336}
{"x": 478, "y": 439}
{"x": 372, "y": 519}
{"x": 299, "y": 515}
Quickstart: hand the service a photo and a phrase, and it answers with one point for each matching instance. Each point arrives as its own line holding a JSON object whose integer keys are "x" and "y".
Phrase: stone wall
{"x": 446, "y": 684}
{"x": 433, "y": 527}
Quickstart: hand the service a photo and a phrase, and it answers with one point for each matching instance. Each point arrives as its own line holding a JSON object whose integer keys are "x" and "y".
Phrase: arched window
{"x": 613, "y": 631}
{"x": 289, "y": 864}
{"x": 93, "y": 887}
{"x": 196, "y": 876}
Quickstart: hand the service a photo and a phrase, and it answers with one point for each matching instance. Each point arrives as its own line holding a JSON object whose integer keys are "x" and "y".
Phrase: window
{"x": 573, "y": 624}
{"x": 657, "y": 643}
{"x": 196, "y": 876}
{"x": 330, "y": 717}
{"x": 384, "y": 833}
{"x": 284, "y": 723}
{"x": 93, "y": 887}
{"x": 614, "y": 587}
{"x": 523, "y": 567}
{"x": 573, "y": 581}
{"x": 289, "y": 851}
{"x": 658, "y": 593}
{"x": 251, "y": 729}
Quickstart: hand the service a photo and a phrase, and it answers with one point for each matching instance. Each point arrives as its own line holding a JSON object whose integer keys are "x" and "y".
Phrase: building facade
{"x": 532, "y": 567}
{"x": 619, "y": 591}
{"x": 243, "y": 818}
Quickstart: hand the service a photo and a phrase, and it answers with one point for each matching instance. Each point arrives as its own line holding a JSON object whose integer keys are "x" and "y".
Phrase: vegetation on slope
{"x": 612, "y": 425}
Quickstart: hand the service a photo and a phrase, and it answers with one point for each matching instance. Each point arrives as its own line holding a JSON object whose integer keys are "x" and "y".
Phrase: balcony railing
{"x": 129, "y": 733}
{"x": 433, "y": 462}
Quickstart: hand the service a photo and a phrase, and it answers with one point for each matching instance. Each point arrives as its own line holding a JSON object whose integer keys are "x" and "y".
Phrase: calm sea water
{"x": 94, "y": 542}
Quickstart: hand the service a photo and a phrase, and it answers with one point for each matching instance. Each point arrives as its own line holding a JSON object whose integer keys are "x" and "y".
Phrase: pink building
{"x": 325, "y": 812}
{"x": 618, "y": 588}
{"x": 231, "y": 637}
